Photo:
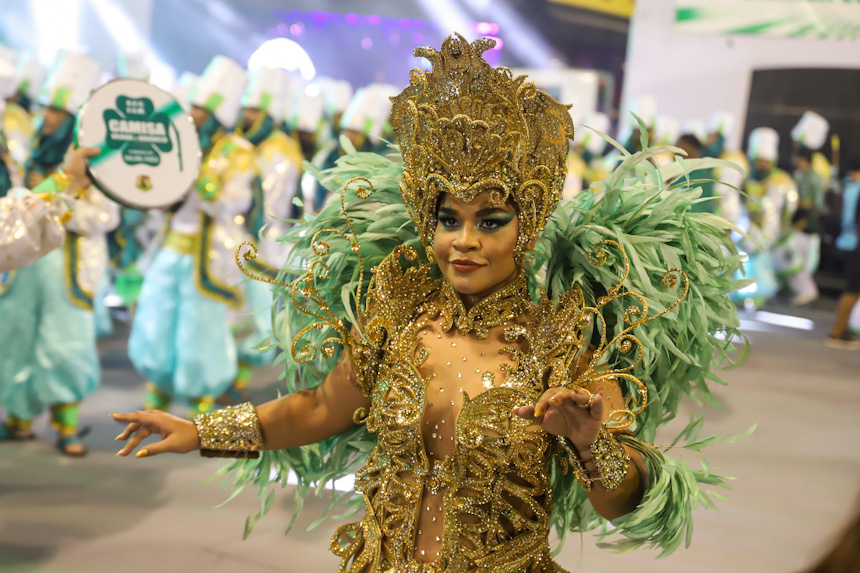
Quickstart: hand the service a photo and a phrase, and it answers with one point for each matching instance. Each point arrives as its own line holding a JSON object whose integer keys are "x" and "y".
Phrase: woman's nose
{"x": 466, "y": 239}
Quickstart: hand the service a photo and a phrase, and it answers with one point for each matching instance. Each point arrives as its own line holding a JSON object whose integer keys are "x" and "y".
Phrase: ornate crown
{"x": 465, "y": 127}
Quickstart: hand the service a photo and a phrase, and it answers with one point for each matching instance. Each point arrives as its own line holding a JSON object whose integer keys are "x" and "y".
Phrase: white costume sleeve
{"x": 30, "y": 227}
{"x": 94, "y": 214}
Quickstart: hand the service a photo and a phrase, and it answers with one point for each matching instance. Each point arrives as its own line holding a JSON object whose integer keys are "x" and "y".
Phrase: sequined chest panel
{"x": 457, "y": 482}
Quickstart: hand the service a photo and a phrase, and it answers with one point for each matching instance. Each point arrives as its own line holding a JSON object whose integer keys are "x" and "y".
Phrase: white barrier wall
{"x": 691, "y": 76}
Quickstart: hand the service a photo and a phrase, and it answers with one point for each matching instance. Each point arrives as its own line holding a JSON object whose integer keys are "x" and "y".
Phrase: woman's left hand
{"x": 574, "y": 414}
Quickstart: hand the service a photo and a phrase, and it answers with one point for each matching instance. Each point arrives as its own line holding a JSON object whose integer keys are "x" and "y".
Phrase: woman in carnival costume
{"x": 180, "y": 339}
{"x": 480, "y": 419}
{"x": 47, "y": 329}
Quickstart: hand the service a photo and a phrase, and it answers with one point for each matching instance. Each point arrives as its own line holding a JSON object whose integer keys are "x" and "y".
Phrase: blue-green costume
{"x": 180, "y": 338}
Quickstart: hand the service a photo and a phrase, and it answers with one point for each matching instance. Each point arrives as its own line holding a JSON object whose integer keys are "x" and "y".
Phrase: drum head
{"x": 150, "y": 155}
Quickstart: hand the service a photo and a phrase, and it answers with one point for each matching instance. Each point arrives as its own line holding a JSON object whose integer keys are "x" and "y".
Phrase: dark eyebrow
{"x": 481, "y": 213}
{"x": 491, "y": 211}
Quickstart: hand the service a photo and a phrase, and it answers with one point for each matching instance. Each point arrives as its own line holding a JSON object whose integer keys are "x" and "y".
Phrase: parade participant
{"x": 771, "y": 202}
{"x": 55, "y": 126}
{"x": 126, "y": 243}
{"x": 848, "y": 243}
{"x": 702, "y": 178}
{"x": 279, "y": 163}
{"x": 809, "y": 135}
{"x": 47, "y": 329}
{"x": 8, "y": 167}
{"x": 16, "y": 119}
{"x": 363, "y": 124}
{"x": 484, "y": 418}
{"x": 180, "y": 339}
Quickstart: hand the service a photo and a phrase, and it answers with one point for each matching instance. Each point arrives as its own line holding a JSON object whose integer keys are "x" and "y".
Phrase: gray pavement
{"x": 797, "y": 482}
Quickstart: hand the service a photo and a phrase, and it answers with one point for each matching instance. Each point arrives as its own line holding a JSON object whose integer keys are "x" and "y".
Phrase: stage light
{"x": 486, "y": 28}
{"x": 297, "y": 29}
{"x": 366, "y": 43}
{"x": 283, "y": 53}
{"x": 373, "y": 20}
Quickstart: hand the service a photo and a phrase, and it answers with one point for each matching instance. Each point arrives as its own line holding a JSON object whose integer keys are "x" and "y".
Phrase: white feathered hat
{"x": 267, "y": 90}
{"x": 220, "y": 88}
{"x": 763, "y": 144}
{"x": 811, "y": 131}
{"x": 70, "y": 81}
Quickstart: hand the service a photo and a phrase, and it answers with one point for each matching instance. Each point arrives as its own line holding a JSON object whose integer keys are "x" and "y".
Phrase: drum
{"x": 150, "y": 154}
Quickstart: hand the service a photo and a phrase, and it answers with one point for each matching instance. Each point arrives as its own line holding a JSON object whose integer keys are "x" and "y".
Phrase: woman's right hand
{"x": 177, "y": 434}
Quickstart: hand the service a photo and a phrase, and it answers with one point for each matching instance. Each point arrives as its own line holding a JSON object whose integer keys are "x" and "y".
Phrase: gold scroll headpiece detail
{"x": 465, "y": 127}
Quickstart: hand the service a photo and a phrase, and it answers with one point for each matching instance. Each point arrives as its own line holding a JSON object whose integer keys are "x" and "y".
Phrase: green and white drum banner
{"x": 813, "y": 19}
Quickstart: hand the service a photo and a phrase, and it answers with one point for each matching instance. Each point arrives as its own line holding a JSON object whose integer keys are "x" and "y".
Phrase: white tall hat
{"x": 267, "y": 90}
{"x": 308, "y": 112}
{"x": 132, "y": 65}
{"x": 7, "y": 79}
{"x": 763, "y": 144}
{"x": 336, "y": 93}
{"x": 722, "y": 122}
{"x": 695, "y": 127}
{"x": 70, "y": 81}
{"x": 219, "y": 89}
{"x": 369, "y": 110}
{"x": 593, "y": 142}
{"x": 666, "y": 130}
{"x": 811, "y": 131}
{"x": 30, "y": 76}
{"x": 646, "y": 108}
{"x": 183, "y": 87}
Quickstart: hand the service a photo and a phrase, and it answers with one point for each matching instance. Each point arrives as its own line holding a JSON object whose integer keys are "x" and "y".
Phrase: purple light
{"x": 373, "y": 20}
{"x": 486, "y": 28}
{"x": 394, "y": 37}
{"x": 499, "y": 43}
{"x": 297, "y": 29}
{"x": 318, "y": 17}
{"x": 405, "y": 23}
{"x": 417, "y": 38}
{"x": 351, "y": 19}
{"x": 282, "y": 28}
{"x": 366, "y": 43}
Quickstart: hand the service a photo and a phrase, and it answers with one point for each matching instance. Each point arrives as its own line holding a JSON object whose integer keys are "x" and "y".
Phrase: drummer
{"x": 47, "y": 331}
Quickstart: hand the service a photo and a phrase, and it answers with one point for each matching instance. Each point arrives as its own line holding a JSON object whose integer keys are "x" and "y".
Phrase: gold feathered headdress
{"x": 465, "y": 127}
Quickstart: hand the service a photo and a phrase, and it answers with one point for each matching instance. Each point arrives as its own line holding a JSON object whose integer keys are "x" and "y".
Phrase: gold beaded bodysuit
{"x": 457, "y": 482}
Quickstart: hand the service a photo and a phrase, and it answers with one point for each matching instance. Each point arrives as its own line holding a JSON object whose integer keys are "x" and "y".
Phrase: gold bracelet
{"x": 230, "y": 432}
{"x": 610, "y": 457}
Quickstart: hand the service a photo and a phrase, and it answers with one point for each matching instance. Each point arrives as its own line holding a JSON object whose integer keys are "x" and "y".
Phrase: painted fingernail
{"x": 116, "y": 439}
{"x": 119, "y": 453}
{"x": 142, "y": 453}
{"x": 539, "y": 411}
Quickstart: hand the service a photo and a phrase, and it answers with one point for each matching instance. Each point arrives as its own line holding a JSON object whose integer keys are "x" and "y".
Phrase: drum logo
{"x": 140, "y": 131}
{"x": 144, "y": 183}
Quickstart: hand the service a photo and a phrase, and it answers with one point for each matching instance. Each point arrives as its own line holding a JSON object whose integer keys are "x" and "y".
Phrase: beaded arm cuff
{"x": 232, "y": 432}
{"x": 610, "y": 457}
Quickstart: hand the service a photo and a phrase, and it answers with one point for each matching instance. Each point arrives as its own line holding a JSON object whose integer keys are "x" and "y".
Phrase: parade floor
{"x": 797, "y": 481}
